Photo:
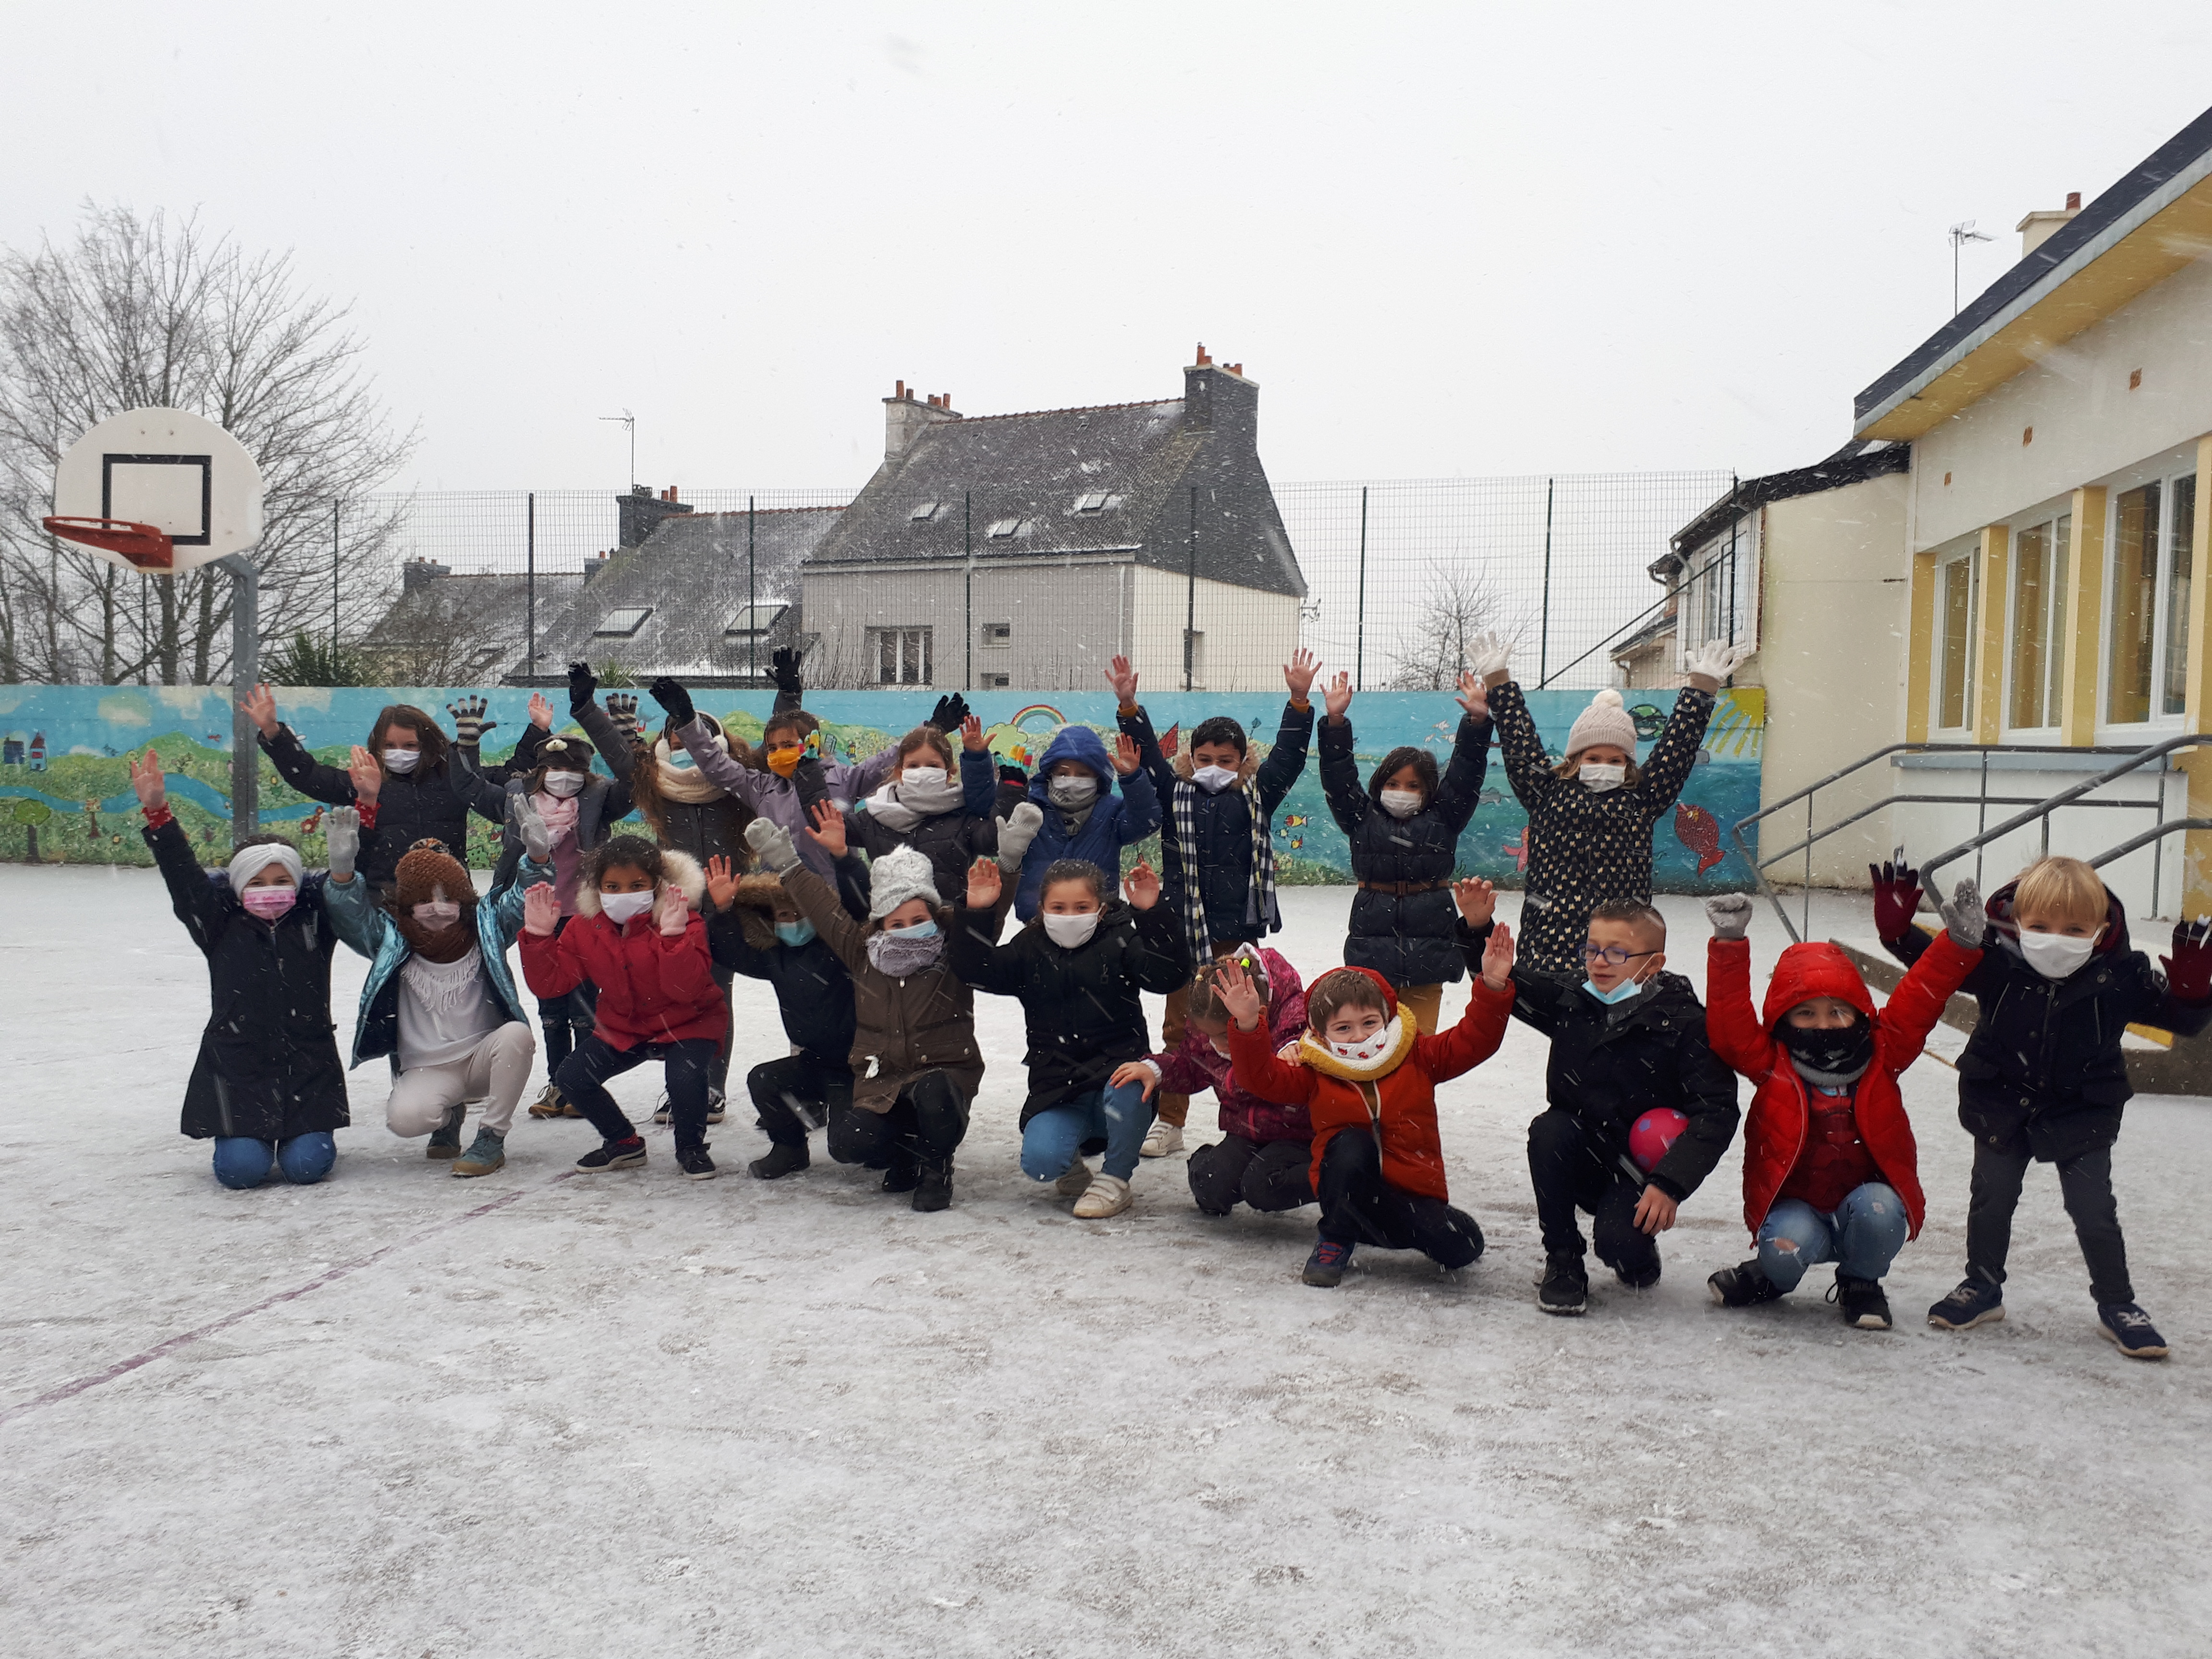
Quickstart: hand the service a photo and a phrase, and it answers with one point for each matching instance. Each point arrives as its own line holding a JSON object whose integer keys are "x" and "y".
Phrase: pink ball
{"x": 1653, "y": 1134}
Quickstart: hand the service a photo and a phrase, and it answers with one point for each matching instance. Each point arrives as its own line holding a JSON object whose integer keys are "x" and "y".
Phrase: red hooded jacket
{"x": 1776, "y": 1130}
{"x": 1395, "y": 1100}
{"x": 652, "y": 988}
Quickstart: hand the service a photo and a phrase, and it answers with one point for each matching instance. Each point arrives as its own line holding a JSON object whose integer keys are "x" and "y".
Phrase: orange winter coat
{"x": 1395, "y": 1100}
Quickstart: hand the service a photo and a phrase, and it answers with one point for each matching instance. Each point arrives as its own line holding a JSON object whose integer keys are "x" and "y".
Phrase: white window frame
{"x": 2048, "y": 518}
{"x": 916, "y": 650}
{"x": 1969, "y": 554}
{"x": 607, "y": 629}
{"x": 2165, "y": 474}
{"x": 997, "y": 636}
{"x": 1717, "y": 578}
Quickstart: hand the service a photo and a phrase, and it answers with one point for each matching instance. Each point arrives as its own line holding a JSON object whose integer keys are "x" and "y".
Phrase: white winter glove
{"x": 1714, "y": 662}
{"x": 342, "y": 832}
{"x": 771, "y": 844}
{"x": 537, "y": 839}
{"x": 1964, "y": 918}
{"x": 1490, "y": 655}
{"x": 1015, "y": 833}
{"x": 1730, "y": 914}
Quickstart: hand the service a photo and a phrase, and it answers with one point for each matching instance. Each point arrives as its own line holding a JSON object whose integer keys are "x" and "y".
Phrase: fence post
{"x": 530, "y": 586}
{"x": 1360, "y": 635}
{"x": 334, "y": 581}
{"x": 1544, "y": 626}
{"x": 1190, "y": 590}
{"x": 752, "y": 601}
{"x": 968, "y": 557}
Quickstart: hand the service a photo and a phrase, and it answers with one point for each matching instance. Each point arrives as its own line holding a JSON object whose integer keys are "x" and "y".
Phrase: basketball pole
{"x": 244, "y": 674}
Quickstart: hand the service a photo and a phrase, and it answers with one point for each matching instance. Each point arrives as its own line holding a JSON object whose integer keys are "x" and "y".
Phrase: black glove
{"x": 949, "y": 713}
{"x": 582, "y": 682}
{"x": 675, "y": 702}
{"x": 1014, "y": 775}
{"x": 783, "y": 666}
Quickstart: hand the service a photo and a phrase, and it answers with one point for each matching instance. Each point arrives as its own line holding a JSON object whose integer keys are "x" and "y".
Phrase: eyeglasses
{"x": 1613, "y": 954}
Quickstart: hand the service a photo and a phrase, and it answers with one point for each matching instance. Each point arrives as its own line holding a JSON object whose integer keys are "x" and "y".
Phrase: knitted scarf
{"x": 1263, "y": 863}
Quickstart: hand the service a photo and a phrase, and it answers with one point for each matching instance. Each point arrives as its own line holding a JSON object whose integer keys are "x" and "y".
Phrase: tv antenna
{"x": 629, "y": 422}
{"x": 1960, "y": 234}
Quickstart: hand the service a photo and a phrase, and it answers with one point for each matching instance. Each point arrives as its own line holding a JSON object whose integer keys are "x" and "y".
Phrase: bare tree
{"x": 136, "y": 314}
{"x": 1458, "y": 603}
{"x": 440, "y": 634}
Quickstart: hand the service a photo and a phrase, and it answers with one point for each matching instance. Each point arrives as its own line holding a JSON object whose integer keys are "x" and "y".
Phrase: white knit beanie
{"x": 1604, "y": 722}
{"x": 901, "y": 874}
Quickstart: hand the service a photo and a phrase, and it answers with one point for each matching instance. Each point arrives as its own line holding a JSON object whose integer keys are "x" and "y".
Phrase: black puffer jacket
{"x": 1086, "y": 1017}
{"x": 813, "y": 991}
{"x": 950, "y": 841}
{"x": 1410, "y": 937}
{"x": 268, "y": 1064}
{"x": 1611, "y": 1064}
{"x": 432, "y": 802}
{"x": 2044, "y": 1071}
{"x": 705, "y": 829}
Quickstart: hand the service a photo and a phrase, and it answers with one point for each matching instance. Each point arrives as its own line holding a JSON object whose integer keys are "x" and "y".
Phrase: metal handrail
{"x": 1758, "y": 866}
{"x": 2156, "y": 832}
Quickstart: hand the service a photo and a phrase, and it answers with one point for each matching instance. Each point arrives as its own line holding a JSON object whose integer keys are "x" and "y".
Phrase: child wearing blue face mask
{"x": 756, "y": 930}
{"x": 1628, "y": 1046}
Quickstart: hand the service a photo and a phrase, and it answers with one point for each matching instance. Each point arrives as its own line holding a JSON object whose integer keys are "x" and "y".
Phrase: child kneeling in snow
{"x": 1627, "y": 1043}
{"x": 1830, "y": 1166}
{"x": 1369, "y": 1076}
{"x": 1078, "y": 965}
{"x": 635, "y": 937}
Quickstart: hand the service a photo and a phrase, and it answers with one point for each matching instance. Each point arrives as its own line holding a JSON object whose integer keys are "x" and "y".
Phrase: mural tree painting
{"x": 30, "y": 814}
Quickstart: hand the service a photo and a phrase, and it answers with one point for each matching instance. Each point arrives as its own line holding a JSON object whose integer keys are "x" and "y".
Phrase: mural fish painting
{"x": 1297, "y": 821}
{"x": 1700, "y": 831}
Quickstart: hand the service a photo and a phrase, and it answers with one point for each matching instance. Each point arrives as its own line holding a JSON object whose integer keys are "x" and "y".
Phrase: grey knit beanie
{"x": 901, "y": 874}
{"x": 1604, "y": 722}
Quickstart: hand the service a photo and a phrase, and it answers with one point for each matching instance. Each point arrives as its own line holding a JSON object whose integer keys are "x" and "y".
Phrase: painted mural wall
{"x": 65, "y": 797}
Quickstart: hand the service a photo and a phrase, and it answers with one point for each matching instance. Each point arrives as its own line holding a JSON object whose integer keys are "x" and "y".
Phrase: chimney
{"x": 1203, "y": 360}
{"x": 905, "y": 416}
{"x": 637, "y": 512}
{"x": 421, "y": 572}
{"x": 1216, "y": 397}
{"x": 2043, "y": 224}
{"x": 594, "y": 565}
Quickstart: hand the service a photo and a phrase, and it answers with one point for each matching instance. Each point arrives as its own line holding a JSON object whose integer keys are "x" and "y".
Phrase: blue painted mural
{"x": 64, "y": 796}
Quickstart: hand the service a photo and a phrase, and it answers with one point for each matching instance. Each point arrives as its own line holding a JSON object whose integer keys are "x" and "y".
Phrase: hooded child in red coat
{"x": 1831, "y": 1171}
{"x": 1367, "y": 1078}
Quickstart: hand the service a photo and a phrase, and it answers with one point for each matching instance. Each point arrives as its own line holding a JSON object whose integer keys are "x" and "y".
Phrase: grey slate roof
{"x": 470, "y": 626}
{"x": 1853, "y": 464}
{"x": 690, "y": 577}
{"x": 1030, "y": 471}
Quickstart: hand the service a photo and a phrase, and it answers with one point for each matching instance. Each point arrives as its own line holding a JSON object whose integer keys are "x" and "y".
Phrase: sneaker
{"x": 1162, "y": 1138}
{"x": 613, "y": 1155}
{"x": 2127, "y": 1328}
{"x": 714, "y": 1102}
{"x": 1976, "y": 1302}
{"x": 933, "y": 1187}
{"x": 1325, "y": 1266}
{"x": 549, "y": 1103}
{"x": 1108, "y": 1195}
{"x": 662, "y": 1111}
{"x": 446, "y": 1138}
{"x": 695, "y": 1163}
{"x": 782, "y": 1160}
{"x": 904, "y": 1176}
{"x": 1863, "y": 1302}
{"x": 1565, "y": 1287}
{"x": 487, "y": 1153}
{"x": 1744, "y": 1285}
{"x": 1074, "y": 1180}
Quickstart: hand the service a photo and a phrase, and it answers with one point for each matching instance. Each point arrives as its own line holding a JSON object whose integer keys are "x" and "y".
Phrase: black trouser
{"x": 781, "y": 1087}
{"x": 1569, "y": 1174}
{"x": 1268, "y": 1174}
{"x": 926, "y": 1123}
{"x": 1359, "y": 1207}
{"x": 567, "y": 1019}
{"x": 725, "y": 978}
{"x": 583, "y": 1075}
{"x": 2086, "y": 1184}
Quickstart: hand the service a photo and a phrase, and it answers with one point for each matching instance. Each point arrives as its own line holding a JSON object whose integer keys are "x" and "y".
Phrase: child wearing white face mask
{"x": 2043, "y": 1079}
{"x": 1404, "y": 831}
{"x": 1079, "y": 966}
{"x": 1591, "y": 816}
{"x": 940, "y": 808}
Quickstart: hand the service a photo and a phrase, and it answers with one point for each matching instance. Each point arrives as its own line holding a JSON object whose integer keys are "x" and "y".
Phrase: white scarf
{"x": 686, "y": 784}
{"x": 899, "y": 816}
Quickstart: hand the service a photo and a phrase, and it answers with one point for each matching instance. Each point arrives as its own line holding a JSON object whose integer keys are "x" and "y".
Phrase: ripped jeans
{"x": 1862, "y": 1235}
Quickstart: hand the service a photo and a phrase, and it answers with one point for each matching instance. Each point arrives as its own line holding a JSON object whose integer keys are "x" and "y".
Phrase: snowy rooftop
{"x": 537, "y": 1415}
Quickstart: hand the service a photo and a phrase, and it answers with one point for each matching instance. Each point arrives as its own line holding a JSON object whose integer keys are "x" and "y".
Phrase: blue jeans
{"x": 1121, "y": 1115}
{"x": 1862, "y": 1235}
{"x": 241, "y": 1161}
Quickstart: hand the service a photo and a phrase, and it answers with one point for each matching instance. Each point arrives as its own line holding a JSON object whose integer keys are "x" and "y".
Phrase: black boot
{"x": 933, "y": 1191}
{"x": 1744, "y": 1285}
{"x": 903, "y": 1175}
{"x": 784, "y": 1157}
{"x": 1566, "y": 1285}
{"x": 1864, "y": 1304}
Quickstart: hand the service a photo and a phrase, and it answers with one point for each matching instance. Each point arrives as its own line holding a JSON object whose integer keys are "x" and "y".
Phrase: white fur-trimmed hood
{"x": 680, "y": 867}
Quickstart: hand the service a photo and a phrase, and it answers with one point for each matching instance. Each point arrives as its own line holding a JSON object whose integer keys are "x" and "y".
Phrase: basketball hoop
{"x": 146, "y": 546}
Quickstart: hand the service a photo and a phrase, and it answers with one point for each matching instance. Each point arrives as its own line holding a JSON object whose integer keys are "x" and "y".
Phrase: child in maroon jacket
{"x": 637, "y": 936}
{"x": 1266, "y": 1147}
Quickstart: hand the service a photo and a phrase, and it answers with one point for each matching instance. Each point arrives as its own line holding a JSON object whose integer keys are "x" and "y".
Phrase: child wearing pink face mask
{"x": 267, "y": 1087}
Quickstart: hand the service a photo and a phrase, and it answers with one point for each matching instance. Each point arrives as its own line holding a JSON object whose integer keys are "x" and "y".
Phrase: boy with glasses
{"x": 1640, "y": 1110}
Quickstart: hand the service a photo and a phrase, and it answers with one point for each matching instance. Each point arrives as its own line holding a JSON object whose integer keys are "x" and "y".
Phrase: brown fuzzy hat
{"x": 754, "y": 904}
{"x": 426, "y": 867}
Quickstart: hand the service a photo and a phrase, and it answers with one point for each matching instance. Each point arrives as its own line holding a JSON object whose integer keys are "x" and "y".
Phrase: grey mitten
{"x": 469, "y": 722}
{"x": 771, "y": 844}
{"x": 1963, "y": 919}
{"x": 537, "y": 839}
{"x": 1015, "y": 833}
{"x": 622, "y": 709}
{"x": 1730, "y": 914}
{"x": 342, "y": 832}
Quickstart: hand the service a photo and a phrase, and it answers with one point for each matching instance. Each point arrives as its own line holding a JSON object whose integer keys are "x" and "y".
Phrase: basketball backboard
{"x": 171, "y": 472}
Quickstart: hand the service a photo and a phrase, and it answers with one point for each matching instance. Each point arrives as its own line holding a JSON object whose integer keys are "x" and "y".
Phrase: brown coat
{"x": 924, "y": 1023}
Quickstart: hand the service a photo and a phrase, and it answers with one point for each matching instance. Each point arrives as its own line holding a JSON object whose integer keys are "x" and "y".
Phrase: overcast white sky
{"x": 1445, "y": 240}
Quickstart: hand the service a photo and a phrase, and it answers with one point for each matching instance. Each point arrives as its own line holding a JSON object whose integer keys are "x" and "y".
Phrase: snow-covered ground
{"x": 635, "y": 1414}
